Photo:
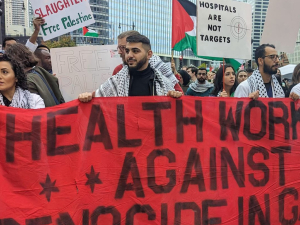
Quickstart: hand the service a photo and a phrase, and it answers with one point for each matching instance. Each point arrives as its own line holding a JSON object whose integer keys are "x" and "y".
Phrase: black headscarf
{"x": 185, "y": 77}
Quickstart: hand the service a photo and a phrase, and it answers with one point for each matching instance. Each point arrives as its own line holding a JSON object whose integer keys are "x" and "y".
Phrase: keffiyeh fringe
{"x": 21, "y": 99}
{"x": 118, "y": 85}
{"x": 256, "y": 82}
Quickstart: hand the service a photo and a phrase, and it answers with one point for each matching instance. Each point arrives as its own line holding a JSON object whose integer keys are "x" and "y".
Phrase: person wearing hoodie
{"x": 201, "y": 87}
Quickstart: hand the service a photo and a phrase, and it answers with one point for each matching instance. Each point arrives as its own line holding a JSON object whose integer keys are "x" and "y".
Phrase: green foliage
{"x": 63, "y": 41}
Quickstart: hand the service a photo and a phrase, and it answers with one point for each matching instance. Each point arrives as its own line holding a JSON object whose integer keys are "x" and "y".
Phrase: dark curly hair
{"x": 18, "y": 70}
{"x": 219, "y": 81}
{"x": 23, "y": 55}
{"x": 260, "y": 52}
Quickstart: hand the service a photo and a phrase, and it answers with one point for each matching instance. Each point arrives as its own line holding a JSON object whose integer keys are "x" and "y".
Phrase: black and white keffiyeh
{"x": 21, "y": 99}
{"x": 256, "y": 82}
{"x": 197, "y": 87}
{"x": 165, "y": 69}
{"x": 118, "y": 85}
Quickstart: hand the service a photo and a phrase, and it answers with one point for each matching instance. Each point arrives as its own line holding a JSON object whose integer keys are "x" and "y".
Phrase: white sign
{"x": 224, "y": 29}
{"x": 62, "y": 16}
{"x": 282, "y": 25}
{"x": 83, "y": 69}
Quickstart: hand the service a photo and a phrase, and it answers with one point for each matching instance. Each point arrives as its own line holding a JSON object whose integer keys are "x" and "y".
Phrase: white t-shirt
{"x": 37, "y": 101}
{"x": 296, "y": 89}
{"x": 243, "y": 90}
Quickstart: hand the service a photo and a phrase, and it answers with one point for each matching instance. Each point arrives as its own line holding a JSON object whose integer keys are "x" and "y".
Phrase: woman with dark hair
{"x": 13, "y": 86}
{"x": 295, "y": 87}
{"x": 184, "y": 80}
{"x": 230, "y": 82}
{"x": 39, "y": 81}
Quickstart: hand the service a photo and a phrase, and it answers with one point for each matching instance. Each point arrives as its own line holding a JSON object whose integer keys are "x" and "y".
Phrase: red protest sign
{"x": 149, "y": 160}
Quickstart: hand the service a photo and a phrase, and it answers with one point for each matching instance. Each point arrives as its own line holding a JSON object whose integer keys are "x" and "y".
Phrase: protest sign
{"x": 224, "y": 29}
{"x": 62, "y": 16}
{"x": 282, "y": 25}
{"x": 151, "y": 160}
{"x": 83, "y": 69}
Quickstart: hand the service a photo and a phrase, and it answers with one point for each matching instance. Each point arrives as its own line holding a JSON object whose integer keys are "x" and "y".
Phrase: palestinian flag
{"x": 89, "y": 32}
{"x": 184, "y": 23}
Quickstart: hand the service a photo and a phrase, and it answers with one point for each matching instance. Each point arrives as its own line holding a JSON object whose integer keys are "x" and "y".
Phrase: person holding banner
{"x": 262, "y": 83}
{"x": 230, "y": 82}
{"x": 39, "y": 81}
{"x": 13, "y": 86}
{"x": 154, "y": 61}
{"x": 138, "y": 77}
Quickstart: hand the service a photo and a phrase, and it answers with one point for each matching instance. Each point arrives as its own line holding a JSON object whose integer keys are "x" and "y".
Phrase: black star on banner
{"x": 48, "y": 187}
{"x": 93, "y": 179}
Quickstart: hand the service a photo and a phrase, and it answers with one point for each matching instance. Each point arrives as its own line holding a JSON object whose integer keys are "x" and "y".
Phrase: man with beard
{"x": 121, "y": 47}
{"x": 155, "y": 60}
{"x": 138, "y": 77}
{"x": 201, "y": 87}
{"x": 262, "y": 83}
{"x": 44, "y": 59}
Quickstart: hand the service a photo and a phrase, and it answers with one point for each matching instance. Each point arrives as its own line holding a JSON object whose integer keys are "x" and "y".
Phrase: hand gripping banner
{"x": 151, "y": 160}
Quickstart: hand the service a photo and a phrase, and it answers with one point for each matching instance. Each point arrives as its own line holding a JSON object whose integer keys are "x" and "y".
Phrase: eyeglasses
{"x": 121, "y": 47}
{"x": 202, "y": 74}
{"x": 273, "y": 57}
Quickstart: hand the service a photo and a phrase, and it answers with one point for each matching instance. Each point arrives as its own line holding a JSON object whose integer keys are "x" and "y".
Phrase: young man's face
{"x": 270, "y": 61}
{"x": 136, "y": 56}
{"x": 189, "y": 71}
{"x": 46, "y": 60}
{"x": 201, "y": 76}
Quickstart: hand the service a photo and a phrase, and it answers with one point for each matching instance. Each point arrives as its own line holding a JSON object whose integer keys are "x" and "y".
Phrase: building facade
{"x": 17, "y": 17}
{"x": 152, "y": 19}
{"x": 294, "y": 58}
{"x": 259, "y": 13}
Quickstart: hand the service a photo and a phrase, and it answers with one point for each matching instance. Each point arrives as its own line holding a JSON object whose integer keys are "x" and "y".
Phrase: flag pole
{"x": 172, "y": 54}
{"x": 223, "y": 74}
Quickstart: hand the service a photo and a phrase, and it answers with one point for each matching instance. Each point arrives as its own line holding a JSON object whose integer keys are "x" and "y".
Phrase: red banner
{"x": 151, "y": 160}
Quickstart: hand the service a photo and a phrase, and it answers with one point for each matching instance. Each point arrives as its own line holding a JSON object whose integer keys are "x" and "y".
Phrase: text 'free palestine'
{"x": 67, "y": 22}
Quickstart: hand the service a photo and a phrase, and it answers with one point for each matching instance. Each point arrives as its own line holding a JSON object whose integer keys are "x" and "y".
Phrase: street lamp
{"x": 128, "y": 25}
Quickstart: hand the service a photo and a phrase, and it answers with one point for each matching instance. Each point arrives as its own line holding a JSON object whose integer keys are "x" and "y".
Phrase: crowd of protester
{"x": 265, "y": 81}
{"x": 27, "y": 81}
